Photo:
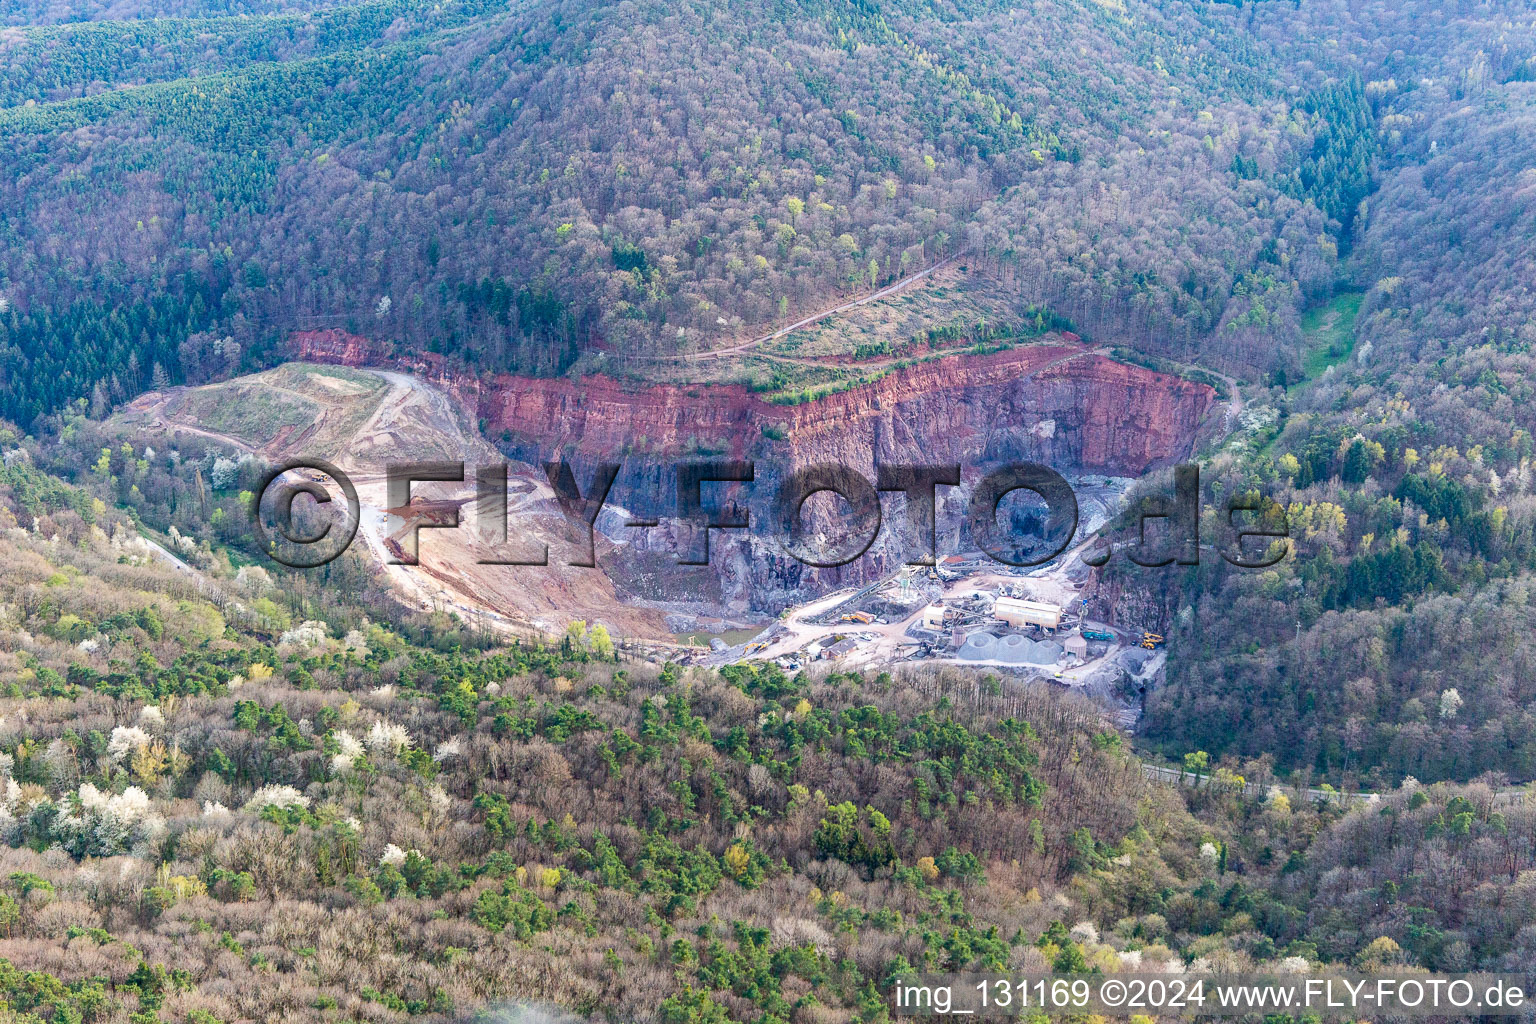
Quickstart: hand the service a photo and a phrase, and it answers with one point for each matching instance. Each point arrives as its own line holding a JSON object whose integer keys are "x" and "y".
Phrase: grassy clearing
{"x": 326, "y": 381}
{"x": 291, "y": 397}
{"x": 1329, "y": 330}
{"x": 952, "y": 312}
{"x": 949, "y": 296}
{"x": 248, "y": 412}
{"x": 1195, "y": 373}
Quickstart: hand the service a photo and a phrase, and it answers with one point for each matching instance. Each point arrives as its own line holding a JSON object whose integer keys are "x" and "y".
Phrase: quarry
{"x": 1055, "y": 400}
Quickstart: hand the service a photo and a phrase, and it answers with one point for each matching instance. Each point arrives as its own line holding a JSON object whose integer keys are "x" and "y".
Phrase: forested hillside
{"x": 230, "y": 791}
{"x": 1396, "y": 641}
{"x": 215, "y": 807}
{"x": 59, "y": 12}
{"x": 210, "y": 817}
{"x": 537, "y": 185}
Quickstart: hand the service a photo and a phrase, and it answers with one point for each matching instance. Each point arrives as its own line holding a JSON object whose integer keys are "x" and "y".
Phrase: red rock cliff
{"x": 336, "y": 346}
{"x": 333, "y": 346}
{"x": 1058, "y": 403}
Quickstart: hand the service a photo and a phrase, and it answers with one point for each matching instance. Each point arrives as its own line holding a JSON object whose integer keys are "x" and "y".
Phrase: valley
{"x": 1289, "y": 243}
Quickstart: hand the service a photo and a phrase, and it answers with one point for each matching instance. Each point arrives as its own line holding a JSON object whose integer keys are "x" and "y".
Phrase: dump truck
{"x": 861, "y": 617}
{"x": 1151, "y": 641}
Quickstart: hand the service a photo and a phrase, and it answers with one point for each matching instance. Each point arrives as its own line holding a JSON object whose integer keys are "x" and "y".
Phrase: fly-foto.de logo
{"x": 711, "y": 496}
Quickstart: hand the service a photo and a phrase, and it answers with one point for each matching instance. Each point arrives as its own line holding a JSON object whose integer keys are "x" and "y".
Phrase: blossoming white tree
{"x": 125, "y": 741}
{"x": 348, "y": 749}
{"x": 387, "y": 737}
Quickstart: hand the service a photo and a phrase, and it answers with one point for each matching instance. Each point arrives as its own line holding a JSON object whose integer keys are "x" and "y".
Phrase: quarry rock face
{"x": 333, "y": 346}
{"x": 1060, "y": 404}
{"x": 1057, "y": 404}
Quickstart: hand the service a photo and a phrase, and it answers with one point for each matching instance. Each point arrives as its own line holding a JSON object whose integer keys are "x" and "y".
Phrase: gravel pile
{"x": 1012, "y": 649}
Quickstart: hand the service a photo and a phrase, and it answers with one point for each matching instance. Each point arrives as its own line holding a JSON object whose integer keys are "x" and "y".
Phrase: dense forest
{"x": 1396, "y": 641}
{"x": 540, "y": 186}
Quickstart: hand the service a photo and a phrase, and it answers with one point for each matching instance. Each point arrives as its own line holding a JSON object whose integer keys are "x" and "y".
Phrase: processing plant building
{"x": 1018, "y": 613}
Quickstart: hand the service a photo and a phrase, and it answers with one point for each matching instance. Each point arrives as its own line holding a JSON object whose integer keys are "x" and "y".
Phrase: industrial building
{"x": 1076, "y": 646}
{"x": 847, "y": 645}
{"x": 1027, "y": 613}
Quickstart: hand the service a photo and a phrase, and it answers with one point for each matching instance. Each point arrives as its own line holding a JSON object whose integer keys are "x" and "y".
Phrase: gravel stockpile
{"x": 1012, "y": 649}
